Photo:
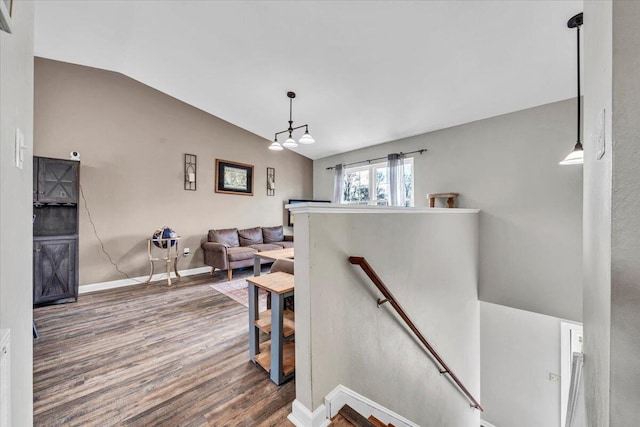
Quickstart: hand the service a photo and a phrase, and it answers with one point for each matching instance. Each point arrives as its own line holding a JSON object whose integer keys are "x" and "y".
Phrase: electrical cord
{"x": 95, "y": 232}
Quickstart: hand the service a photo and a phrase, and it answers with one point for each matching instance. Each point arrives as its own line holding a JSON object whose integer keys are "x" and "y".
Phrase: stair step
{"x": 347, "y": 416}
{"x": 340, "y": 421}
{"x": 376, "y": 422}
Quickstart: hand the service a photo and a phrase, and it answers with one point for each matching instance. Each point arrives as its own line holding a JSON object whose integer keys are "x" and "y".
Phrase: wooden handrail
{"x": 391, "y": 300}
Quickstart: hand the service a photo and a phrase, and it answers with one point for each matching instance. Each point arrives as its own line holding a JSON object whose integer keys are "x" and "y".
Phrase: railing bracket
{"x": 382, "y": 301}
{"x": 444, "y": 371}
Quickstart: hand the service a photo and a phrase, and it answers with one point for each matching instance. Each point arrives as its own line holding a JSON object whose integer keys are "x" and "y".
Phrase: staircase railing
{"x": 388, "y": 297}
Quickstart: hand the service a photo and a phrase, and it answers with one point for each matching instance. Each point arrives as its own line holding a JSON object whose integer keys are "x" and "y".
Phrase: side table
{"x": 277, "y": 356}
{"x": 171, "y": 255}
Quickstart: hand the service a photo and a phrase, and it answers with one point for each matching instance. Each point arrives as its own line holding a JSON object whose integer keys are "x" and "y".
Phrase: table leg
{"x": 256, "y": 266}
{"x": 254, "y": 333}
{"x": 277, "y": 339}
{"x": 150, "y": 272}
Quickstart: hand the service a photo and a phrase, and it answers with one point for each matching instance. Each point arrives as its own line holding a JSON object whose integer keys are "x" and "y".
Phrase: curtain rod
{"x": 378, "y": 158}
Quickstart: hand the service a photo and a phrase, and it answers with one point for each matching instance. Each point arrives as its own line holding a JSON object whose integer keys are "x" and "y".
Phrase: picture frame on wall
{"x": 233, "y": 178}
{"x": 6, "y": 12}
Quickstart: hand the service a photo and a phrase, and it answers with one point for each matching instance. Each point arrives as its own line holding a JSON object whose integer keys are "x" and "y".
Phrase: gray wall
{"x": 597, "y": 212}
{"x": 16, "y": 111}
{"x": 429, "y": 262}
{"x": 519, "y": 349}
{"x": 531, "y": 208}
{"x": 132, "y": 141}
{"x": 625, "y": 216}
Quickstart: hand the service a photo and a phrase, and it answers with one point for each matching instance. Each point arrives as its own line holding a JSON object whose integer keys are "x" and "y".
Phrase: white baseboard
{"x": 341, "y": 396}
{"x": 300, "y": 416}
{"x": 140, "y": 280}
{"x": 486, "y": 424}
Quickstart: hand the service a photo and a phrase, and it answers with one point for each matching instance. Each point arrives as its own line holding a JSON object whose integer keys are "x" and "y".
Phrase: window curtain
{"x": 338, "y": 184}
{"x": 395, "y": 174}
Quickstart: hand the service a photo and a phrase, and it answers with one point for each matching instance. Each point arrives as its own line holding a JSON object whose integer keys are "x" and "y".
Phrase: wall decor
{"x": 271, "y": 181}
{"x": 190, "y": 163}
{"x": 234, "y": 178}
{"x": 6, "y": 12}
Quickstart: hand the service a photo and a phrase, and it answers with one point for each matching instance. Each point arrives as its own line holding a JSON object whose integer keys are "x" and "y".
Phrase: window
{"x": 369, "y": 184}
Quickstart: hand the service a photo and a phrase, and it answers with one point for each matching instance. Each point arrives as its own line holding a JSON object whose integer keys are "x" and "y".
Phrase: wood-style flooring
{"x": 150, "y": 355}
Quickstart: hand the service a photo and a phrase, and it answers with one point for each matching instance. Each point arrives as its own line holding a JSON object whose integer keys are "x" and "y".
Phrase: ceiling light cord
{"x": 576, "y": 156}
{"x": 579, "y": 141}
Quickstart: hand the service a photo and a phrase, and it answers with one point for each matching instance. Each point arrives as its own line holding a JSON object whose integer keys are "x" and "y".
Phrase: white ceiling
{"x": 365, "y": 72}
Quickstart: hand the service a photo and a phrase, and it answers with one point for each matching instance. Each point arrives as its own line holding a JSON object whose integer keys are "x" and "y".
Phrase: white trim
{"x": 484, "y": 423}
{"x": 342, "y": 395}
{"x": 566, "y": 329}
{"x": 300, "y": 416}
{"x": 310, "y": 207}
{"x": 140, "y": 280}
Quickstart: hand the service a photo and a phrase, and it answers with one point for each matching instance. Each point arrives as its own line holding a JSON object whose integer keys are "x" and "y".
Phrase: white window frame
{"x": 372, "y": 181}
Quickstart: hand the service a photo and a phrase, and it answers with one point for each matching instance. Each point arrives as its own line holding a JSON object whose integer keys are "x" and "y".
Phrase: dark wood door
{"x": 57, "y": 181}
{"x": 54, "y": 270}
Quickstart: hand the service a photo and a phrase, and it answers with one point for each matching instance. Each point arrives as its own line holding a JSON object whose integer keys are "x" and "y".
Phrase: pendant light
{"x": 290, "y": 142}
{"x": 576, "y": 157}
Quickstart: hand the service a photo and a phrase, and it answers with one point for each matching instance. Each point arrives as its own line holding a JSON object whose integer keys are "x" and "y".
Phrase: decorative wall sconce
{"x": 290, "y": 142}
{"x": 190, "y": 163}
{"x": 271, "y": 182}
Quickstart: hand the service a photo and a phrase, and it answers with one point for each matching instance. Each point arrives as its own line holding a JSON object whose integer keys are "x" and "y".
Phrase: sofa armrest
{"x": 288, "y": 238}
{"x": 215, "y": 255}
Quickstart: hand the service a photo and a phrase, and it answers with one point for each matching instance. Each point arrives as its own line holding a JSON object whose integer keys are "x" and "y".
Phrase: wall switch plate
{"x": 20, "y": 147}
{"x": 185, "y": 252}
{"x": 600, "y": 135}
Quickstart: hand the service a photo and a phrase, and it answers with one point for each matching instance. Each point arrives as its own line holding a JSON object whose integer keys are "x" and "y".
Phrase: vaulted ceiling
{"x": 364, "y": 72}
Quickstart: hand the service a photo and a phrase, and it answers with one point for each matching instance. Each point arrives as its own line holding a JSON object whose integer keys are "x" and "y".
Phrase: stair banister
{"x": 388, "y": 297}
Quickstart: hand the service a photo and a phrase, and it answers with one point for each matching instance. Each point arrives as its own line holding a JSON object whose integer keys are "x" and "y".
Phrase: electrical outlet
{"x": 185, "y": 252}
{"x": 554, "y": 377}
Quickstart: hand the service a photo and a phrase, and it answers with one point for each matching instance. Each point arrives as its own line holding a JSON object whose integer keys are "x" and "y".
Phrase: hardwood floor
{"x": 150, "y": 355}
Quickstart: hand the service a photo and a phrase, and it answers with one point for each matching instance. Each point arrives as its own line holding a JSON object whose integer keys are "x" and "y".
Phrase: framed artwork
{"x": 6, "y": 12}
{"x": 234, "y": 178}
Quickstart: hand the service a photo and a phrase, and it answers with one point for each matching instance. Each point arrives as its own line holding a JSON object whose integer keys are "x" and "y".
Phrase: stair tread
{"x": 339, "y": 421}
{"x": 376, "y": 422}
{"x": 353, "y": 417}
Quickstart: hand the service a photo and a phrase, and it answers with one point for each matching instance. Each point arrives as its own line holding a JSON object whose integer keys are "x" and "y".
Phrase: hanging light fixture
{"x": 576, "y": 157}
{"x": 290, "y": 142}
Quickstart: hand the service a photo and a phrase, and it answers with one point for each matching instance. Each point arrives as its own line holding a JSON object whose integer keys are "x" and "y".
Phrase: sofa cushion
{"x": 250, "y": 236}
{"x": 228, "y": 237}
{"x": 273, "y": 234}
{"x": 262, "y": 247}
{"x": 284, "y": 244}
{"x": 240, "y": 253}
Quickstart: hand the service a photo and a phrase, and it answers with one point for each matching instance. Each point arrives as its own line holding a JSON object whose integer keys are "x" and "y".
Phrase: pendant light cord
{"x": 578, "y": 121}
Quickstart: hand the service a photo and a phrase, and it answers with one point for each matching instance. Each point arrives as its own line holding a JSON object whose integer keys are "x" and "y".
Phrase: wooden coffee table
{"x": 270, "y": 255}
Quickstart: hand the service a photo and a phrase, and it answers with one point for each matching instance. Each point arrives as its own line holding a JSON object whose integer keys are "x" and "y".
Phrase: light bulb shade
{"x": 275, "y": 146}
{"x": 576, "y": 157}
{"x": 290, "y": 143}
{"x": 306, "y": 139}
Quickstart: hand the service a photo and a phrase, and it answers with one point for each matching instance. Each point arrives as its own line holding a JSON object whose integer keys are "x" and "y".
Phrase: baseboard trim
{"x": 342, "y": 395}
{"x": 140, "y": 280}
{"x": 300, "y": 416}
{"x": 486, "y": 424}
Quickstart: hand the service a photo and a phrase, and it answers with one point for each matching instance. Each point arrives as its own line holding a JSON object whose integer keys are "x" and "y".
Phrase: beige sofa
{"x": 232, "y": 248}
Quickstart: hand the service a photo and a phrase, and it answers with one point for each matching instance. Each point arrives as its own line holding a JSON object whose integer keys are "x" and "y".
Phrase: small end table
{"x": 165, "y": 244}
